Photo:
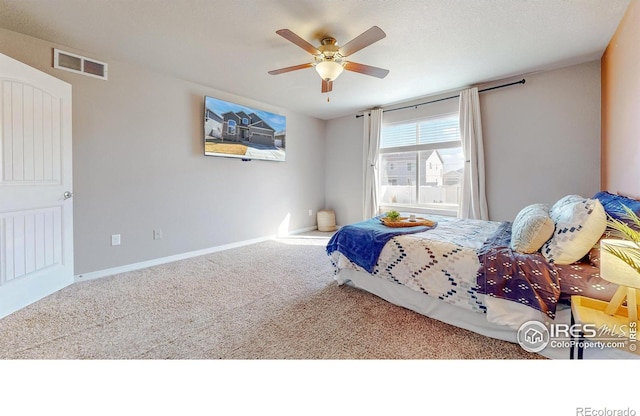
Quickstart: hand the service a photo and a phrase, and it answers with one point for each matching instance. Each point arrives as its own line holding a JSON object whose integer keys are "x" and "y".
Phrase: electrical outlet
{"x": 157, "y": 234}
{"x": 310, "y": 212}
{"x": 115, "y": 240}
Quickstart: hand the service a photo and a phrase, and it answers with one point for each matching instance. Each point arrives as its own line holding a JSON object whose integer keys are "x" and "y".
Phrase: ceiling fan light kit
{"x": 329, "y": 57}
{"x": 329, "y": 70}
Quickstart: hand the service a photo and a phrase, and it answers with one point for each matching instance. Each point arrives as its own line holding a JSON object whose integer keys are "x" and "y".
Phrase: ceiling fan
{"x": 329, "y": 58}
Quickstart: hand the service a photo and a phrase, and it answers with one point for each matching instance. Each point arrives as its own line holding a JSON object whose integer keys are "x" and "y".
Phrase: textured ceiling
{"x": 431, "y": 45}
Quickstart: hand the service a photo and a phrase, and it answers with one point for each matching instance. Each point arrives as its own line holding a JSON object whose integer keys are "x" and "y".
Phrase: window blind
{"x": 426, "y": 131}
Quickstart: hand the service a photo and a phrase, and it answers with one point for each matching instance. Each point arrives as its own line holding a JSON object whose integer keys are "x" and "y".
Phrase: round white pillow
{"x": 531, "y": 228}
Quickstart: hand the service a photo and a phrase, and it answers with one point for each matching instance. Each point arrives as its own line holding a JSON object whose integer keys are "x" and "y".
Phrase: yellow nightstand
{"x": 616, "y": 329}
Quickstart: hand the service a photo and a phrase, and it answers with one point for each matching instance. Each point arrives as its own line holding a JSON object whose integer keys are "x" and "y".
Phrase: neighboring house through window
{"x": 421, "y": 164}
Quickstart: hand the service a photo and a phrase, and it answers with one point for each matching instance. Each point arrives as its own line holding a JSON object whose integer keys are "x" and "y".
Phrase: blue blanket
{"x": 362, "y": 242}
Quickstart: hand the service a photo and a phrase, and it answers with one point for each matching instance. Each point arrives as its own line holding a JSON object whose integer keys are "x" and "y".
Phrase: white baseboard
{"x": 301, "y": 230}
{"x": 162, "y": 260}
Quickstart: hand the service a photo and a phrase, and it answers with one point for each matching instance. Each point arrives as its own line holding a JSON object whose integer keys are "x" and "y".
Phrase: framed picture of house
{"x": 237, "y": 131}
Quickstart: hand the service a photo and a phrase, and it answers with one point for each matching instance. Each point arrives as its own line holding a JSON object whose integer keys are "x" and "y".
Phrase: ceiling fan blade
{"x": 366, "y": 69}
{"x": 365, "y": 39}
{"x": 290, "y": 68}
{"x": 293, "y": 38}
{"x": 327, "y": 85}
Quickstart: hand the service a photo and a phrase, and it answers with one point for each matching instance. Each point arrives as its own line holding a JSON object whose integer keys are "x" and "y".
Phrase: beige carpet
{"x": 272, "y": 300}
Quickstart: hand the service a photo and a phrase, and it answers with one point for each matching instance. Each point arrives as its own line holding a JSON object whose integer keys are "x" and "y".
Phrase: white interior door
{"x": 36, "y": 212}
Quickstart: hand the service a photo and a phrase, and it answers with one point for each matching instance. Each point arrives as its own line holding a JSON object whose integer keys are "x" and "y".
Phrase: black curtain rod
{"x": 522, "y": 81}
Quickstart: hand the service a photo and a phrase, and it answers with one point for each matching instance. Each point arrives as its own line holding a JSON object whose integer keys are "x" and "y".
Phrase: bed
{"x": 485, "y": 276}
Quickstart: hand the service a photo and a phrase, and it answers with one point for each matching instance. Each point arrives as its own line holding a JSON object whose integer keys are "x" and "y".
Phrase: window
{"x": 421, "y": 165}
{"x": 231, "y": 127}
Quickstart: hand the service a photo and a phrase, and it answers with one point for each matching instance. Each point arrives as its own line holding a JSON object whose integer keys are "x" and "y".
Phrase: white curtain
{"x": 372, "y": 130}
{"x": 473, "y": 202}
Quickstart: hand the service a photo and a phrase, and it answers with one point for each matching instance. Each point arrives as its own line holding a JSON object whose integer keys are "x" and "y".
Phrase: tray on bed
{"x": 406, "y": 222}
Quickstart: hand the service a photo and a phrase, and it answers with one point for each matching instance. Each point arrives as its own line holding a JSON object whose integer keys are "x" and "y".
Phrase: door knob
{"x": 67, "y": 195}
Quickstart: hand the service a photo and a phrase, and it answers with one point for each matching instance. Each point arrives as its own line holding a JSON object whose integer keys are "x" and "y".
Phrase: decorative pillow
{"x": 579, "y": 224}
{"x": 531, "y": 229}
{"x": 613, "y": 203}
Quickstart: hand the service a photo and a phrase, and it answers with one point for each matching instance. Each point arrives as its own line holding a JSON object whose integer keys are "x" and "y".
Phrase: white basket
{"x": 326, "y": 220}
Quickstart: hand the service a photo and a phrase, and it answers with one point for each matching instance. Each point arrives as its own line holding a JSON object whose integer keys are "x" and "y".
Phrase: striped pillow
{"x": 531, "y": 229}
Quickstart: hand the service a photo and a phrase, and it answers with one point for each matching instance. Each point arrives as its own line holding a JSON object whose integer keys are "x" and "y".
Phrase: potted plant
{"x": 630, "y": 253}
{"x": 393, "y": 215}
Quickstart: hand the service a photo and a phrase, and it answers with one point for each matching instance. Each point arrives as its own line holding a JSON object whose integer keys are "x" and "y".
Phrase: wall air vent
{"x": 79, "y": 64}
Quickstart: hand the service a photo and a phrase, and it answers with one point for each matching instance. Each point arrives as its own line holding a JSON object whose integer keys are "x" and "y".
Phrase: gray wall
{"x": 344, "y": 169}
{"x": 542, "y": 141}
{"x": 139, "y": 165}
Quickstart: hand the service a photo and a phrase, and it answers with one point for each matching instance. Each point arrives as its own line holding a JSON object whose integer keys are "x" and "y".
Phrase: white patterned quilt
{"x": 440, "y": 262}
